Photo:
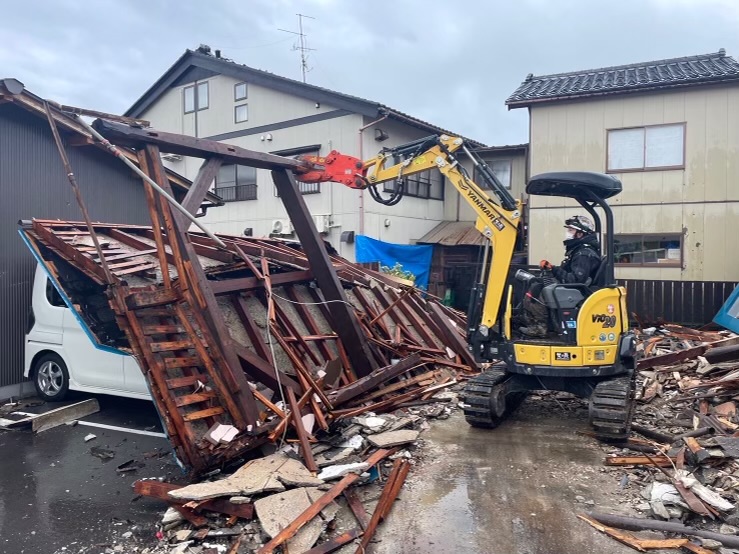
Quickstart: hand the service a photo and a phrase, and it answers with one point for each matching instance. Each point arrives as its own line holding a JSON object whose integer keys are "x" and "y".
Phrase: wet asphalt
{"x": 511, "y": 490}
{"x": 56, "y": 496}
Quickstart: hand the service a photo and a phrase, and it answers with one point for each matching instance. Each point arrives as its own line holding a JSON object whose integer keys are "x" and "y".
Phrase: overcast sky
{"x": 450, "y": 63}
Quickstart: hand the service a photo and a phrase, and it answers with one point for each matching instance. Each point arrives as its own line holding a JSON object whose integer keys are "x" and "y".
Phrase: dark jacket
{"x": 582, "y": 259}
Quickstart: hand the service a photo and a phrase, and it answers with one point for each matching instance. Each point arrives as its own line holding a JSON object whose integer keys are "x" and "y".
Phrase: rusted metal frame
{"x": 69, "y": 252}
{"x": 305, "y": 449}
{"x": 77, "y": 193}
{"x": 314, "y": 509}
{"x": 175, "y": 423}
{"x": 415, "y": 320}
{"x": 308, "y": 321}
{"x": 211, "y": 316}
{"x": 347, "y": 325}
{"x": 134, "y": 242}
{"x": 389, "y": 494}
{"x": 199, "y": 188}
{"x": 451, "y": 335}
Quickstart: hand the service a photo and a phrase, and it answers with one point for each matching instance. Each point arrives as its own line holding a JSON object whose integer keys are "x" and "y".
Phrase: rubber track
{"x": 611, "y": 408}
{"x": 476, "y": 398}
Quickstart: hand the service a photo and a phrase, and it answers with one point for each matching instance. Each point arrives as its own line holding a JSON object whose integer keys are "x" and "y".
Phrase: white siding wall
{"x": 408, "y": 221}
{"x": 701, "y": 201}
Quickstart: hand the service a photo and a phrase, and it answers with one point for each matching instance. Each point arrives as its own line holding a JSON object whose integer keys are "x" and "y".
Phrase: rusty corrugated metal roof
{"x": 454, "y": 233}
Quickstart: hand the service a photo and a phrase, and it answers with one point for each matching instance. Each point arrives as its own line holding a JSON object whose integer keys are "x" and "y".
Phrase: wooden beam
{"x": 200, "y": 187}
{"x": 305, "y": 449}
{"x": 314, "y": 509}
{"x": 342, "y": 312}
{"x": 377, "y": 377}
{"x": 263, "y": 371}
{"x": 172, "y": 143}
{"x": 241, "y": 284}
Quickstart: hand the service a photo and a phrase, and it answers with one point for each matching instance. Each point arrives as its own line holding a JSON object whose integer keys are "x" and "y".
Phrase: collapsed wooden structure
{"x": 251, "y": 333}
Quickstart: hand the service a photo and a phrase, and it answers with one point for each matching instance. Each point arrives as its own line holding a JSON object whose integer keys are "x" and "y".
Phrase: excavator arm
{"x": 497, "y": 218}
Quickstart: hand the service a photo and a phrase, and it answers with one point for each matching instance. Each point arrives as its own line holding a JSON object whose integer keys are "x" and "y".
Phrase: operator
{"x": 582, "y": 259}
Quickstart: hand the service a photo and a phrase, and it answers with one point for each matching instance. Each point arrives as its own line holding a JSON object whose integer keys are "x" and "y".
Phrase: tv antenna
{"x": 303, "y": 48}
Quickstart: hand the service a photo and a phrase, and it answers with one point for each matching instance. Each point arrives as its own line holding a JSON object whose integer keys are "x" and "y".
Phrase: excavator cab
{"x": 588, "y": 351}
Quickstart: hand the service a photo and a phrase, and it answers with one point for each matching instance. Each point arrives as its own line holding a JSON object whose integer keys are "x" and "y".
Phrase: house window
{"x": 500, "y": 168}
{"x": 426, "y": 184}
{"x": 239, "y": 92}
{"x": 196, "y": 97}
{"x": 241, "y": 113}
{"x": 646, "y": 250}
{"x": 235, "y": 183}
{"x": 646, "y": 148}
{"x": 312, "y": 150}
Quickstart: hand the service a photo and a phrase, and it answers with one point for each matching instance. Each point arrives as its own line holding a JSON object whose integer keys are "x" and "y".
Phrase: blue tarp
{"x": 728, "y": 315}
{"x": 413, "y": 258}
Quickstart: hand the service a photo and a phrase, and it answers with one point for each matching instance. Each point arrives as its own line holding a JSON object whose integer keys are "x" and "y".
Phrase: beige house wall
{"x": 701, "y": 201}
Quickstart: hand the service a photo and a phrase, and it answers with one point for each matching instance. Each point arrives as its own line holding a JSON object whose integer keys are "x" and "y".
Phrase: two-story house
{"x": 669, "y": 130}
{"x": 208, "y": 96}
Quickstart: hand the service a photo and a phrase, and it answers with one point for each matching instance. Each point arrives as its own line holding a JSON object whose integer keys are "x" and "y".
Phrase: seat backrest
{"x": 598, "y": 278}
{"x": 563, "y": 297}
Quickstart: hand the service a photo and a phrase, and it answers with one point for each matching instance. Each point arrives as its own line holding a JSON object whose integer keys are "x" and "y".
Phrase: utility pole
{"x": 303, "y": 48}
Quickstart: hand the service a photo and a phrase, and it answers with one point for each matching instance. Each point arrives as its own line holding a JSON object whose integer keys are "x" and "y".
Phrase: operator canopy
{"x": 582, "y": 185}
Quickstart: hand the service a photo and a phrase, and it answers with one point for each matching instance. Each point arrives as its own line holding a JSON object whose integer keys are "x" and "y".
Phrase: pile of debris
{"x": 683, "y": 472}
{"x": 276, "y": 502}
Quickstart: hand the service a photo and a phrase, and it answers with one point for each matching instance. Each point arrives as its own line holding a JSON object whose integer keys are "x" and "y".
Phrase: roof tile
{"x": 676, "y": 72}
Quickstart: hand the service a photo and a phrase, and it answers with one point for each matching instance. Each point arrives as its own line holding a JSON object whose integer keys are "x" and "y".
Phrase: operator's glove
{"x": 545, "y": 264}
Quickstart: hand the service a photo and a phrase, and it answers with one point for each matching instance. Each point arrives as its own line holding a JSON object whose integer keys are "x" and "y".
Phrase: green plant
{"x": 398, "y": 271}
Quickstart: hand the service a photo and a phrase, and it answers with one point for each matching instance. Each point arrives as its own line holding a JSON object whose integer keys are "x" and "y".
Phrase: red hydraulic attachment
{"x": 335, "y": 168}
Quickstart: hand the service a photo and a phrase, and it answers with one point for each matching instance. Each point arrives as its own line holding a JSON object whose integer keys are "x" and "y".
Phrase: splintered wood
{"x": 243, "y": 337}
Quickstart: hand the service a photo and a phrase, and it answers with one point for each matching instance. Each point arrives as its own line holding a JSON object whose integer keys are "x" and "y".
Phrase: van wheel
{"x": 51, "y": 378}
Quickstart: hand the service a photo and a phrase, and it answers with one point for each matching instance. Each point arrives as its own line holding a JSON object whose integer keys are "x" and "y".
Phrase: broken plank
{"x": 334, "y": 544}
{"x": 156, "y": 489}
{"x": 388, "y": 496}
{"x": 377, "y": 377}
{"x": 200, "y": 414}
{"x": 357, "y": 508}
{"x": 162, "y": 329}
{"x": 660, "y": 461}
{"x": 185, "y": 361}
{"x": 305, "y": 448}
{"x": 171, "y": 345}
{"x": 136, "y": 269}
{"x": 60, "y": 416}
{"x": 187, "y": 399}
{"x": 150, "y": 298}
{"x": 315, "y": 508}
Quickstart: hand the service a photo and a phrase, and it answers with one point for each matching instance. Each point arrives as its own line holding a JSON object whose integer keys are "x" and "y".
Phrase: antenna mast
{"x": 303, "y": 48}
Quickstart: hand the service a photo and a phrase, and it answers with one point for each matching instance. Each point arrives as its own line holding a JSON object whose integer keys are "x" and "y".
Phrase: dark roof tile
{"x": 676, "y": 72}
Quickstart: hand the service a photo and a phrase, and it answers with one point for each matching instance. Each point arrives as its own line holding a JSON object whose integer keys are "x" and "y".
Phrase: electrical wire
{"x": 277, "y": 374}
{"x": 313, "y": 303}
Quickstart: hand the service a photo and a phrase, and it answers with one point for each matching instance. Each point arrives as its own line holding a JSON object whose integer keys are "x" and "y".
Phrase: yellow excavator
{"x": 588, "y": 350}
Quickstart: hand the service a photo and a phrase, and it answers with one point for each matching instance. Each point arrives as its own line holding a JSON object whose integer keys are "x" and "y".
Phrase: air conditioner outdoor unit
{"x": 282, "y": 227}
{"x": 171, "y": 157}
{"x": 322, "y": 222}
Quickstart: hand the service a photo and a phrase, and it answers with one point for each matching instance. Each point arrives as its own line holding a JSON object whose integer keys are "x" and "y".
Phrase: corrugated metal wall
{"x": 33, "y": 184}
{"x": 683, "y": 302}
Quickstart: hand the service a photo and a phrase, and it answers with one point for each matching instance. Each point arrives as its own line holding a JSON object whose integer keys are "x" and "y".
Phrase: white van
{"x": 62, "y": 354}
